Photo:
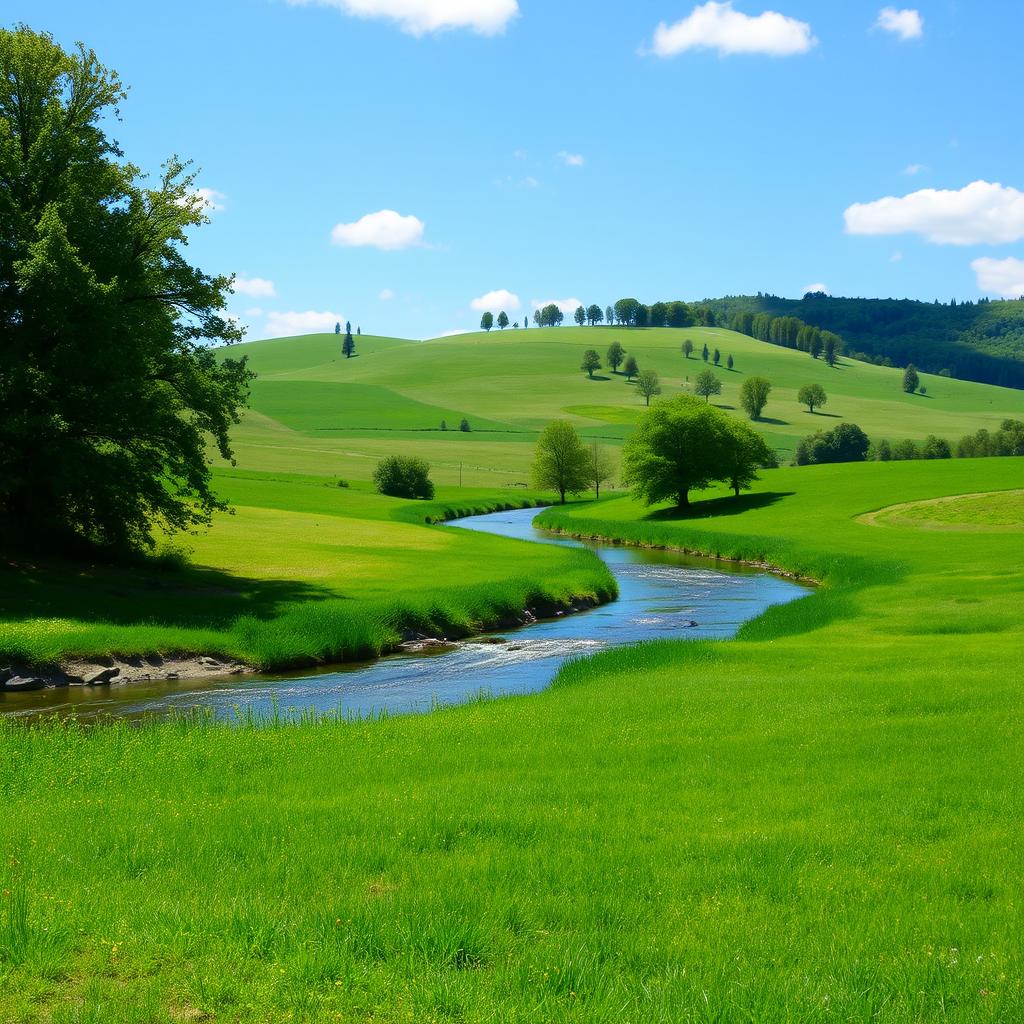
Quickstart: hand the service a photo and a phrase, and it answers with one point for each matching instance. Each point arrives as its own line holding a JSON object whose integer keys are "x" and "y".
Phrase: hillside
{"x": 318, "y": 413}
{"x": 981, "y": 341}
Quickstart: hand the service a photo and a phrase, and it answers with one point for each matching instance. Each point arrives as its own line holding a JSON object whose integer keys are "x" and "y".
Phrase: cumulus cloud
{"x": 1000, "y": 277}
{"x": 284, "y": 325}
{"x": 982, "y": 212}
{"x": 255, "y": 287}
{"x": 419, "y": 17}
{"x": 567, "y": 306}
{"x": 907, "y": 24}
{"x": 209, "y": 200}
{"x": 718, "y": 26}
{"x": 571, "y": 159}
{"x": 814, "y": 288}
{"x": 453, "y": 334}
{"x": 501, "y": 299}
{"x": 386, "y": 295}
{"x": 382, "y": 230}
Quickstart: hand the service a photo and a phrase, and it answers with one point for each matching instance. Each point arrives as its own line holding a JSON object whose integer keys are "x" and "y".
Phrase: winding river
{"x": 661, "y": 595}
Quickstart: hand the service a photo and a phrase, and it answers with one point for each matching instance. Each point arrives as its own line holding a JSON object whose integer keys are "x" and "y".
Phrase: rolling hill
{"x": 314, "y": 412}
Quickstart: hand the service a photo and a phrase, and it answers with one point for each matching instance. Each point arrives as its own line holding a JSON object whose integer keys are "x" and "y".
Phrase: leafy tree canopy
{"x": 561, "y": 462}
{"x": 108, "y": 384}
{"x": 404, "y": 476}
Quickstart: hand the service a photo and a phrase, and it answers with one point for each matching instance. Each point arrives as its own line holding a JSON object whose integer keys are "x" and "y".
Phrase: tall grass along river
{"x": 661, "y": 595}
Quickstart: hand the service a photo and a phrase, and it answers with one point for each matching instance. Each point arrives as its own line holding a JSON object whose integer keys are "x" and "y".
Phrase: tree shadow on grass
{"x": 731, "y": 408}
{"x": 771, "y": 420}
{"x": 826, "y": 415}
{"x": 716, "y": 507}
{"x": 191, "y": 597}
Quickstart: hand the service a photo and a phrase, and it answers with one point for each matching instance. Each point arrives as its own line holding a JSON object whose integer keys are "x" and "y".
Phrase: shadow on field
{"x": 772, "y": 420}
{"x": 715, "y": 507}
{"x": 192, "y": 597}
{"x": 826, "y": 415}
{"x": 599, "y": 376}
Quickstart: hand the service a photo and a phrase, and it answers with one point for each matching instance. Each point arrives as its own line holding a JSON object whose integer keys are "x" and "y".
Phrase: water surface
{"x": 661, "y": 595}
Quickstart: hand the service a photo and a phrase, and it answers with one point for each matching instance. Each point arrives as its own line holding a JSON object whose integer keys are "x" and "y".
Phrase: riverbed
{"x": 661, "y": 595}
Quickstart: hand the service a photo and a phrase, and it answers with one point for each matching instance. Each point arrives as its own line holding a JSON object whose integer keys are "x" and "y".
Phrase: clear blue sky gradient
{"x": 703, "y": 175}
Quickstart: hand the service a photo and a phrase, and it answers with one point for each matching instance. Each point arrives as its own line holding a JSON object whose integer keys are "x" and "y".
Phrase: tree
{"x": 935, "y": 448}
{"x": 503, "y": 320}
{"x": 616, "y": 353}
{"x": 464, "y": 426}
{"x": 403, "y": 476}
{"x": 486, "y": 321}
{"x": 348, "y": 346}
{"x": 591, "y": 362}
{"x": 746, "y": 453}
{"x": 845, "y": 443}
{"x": 580, "y": 316}
{"x": 630, "y": 369}
{"x": 648, "y": 384}
{"x": 679, "y": 446}
{"x": 705, "y": 353}
{"x": 109, "y": 387}
{"x": 560, "y": 461}
{"x": 337, "y": 329}
{"x": 600, "y": 467}
{"x": 658, "y": 315}
{"x": 627, "y": 312}
{"x": 833, "y": 346}
{"x": 729, "y": 362}
{"x": 688, "y": 348}
{"x": 911, "y": 381}
{"x": 717, "y": 357}
{"x": 816, "y": 345}
{"x": 609, "y": 316}
{"x": 706, "y": 385}
{"x": 594, "y": 315}
{"x": 754, "y": 396}
{"x": 359, "y": 331}
{"x": 538, "y": 317}
{"x": 813, "y": 396}
{"x": 551, "y": 316}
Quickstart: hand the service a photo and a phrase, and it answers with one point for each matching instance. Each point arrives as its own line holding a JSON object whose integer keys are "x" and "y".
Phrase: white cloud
{"x": 452, "y": 334}
{"x": 382, "y": 230}
{"x": 254, "y": 311}
{"x": 567, "y": 306}
{"x": 819, "y": 287}
{"x": 914, "y": 169}
{"x": 978, "y": 213}
{"x": 499, "y": 300}
{"x": 284, "y": 325}
{"x": 907, "y": 24}
{"x": 255, "y": 287}
{"x": 209, "y": 200}
{"x": 386, "y": 295}
{"x": 571, "y": 159}
{"x": 717, "y": 26}
{"x": 1000, "y": 277}
{"x": 418, "y": 17}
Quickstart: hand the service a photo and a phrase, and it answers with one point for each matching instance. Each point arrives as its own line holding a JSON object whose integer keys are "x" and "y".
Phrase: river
{"x": 661, "y": 595}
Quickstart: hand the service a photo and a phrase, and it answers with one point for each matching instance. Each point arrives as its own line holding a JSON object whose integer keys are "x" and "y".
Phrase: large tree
{"x": 580, "y": 316}
{"x": 109, "y": 387}
{"x": 648, "y": 384}
{"x": 560, "y": 461}
{"x": 486, "y": 322}
{"x": 911, "y": 380}
{"x": 677, "y": 447}
{"x": 503, "y": 319}
{"x": 631, "y": 369}
{"x": 745, "y": 452}
{"x": 813, "y": 396}
{"x": 594, "y": 315}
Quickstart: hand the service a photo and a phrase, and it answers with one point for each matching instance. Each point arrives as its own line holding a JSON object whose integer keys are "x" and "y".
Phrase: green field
{"x": 315, "y": 412}
{"x": 819, "y": 821}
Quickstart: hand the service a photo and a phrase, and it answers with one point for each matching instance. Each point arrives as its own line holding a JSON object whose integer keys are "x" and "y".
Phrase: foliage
{"x": 682, "y": 445}
{"x": 911, "y": 380}
{"x": 502, "y": 320}
{"x": 591, "y": 362}
{"x": 549, "y": 316}
{"x": 348, "y": 346}
{"x": 844, "y": 443}
{"x": 561, "y": 462}
{"x": 688, "y": 348}
{"x": 707, "y": 384}
{"x": 1007, "y": 440}
{"x": 580, "y": 316}
{"x": 616, "y": 354}
{"x": 403, "y": 476}
{"x": 487, "y": 322}
{"x": 630, "y": 369}
{"x": 600, "y": 467}
{"x": 108, "y": 385}
{"x": 594, "y": 315}
{"x": 813, "y": 396}
{"x": 754, "y": 394}
{"x": 648, "y": 384}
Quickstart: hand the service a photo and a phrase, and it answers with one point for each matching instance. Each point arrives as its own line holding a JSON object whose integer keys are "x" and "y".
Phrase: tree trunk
{"x": 683, "y": 500}
{"x": 562, "y": 494}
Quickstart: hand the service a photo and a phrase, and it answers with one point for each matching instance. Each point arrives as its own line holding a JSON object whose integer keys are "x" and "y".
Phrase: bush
{"x": 403, "y": 476}
{"x": 464, "y": 426}
{"x": 845, "y": 443}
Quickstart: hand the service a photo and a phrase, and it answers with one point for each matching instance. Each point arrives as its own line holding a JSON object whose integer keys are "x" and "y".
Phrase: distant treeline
{"x": 982, "y": 341}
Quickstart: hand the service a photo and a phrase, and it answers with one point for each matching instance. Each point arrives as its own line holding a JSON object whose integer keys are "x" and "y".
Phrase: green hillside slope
{"x": 315, "y": 412}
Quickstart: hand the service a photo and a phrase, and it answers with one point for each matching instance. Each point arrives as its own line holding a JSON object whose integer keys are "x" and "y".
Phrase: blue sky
{"x": 572, "y": 149}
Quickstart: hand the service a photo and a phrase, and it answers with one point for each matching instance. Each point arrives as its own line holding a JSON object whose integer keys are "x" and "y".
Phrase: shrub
{"x": 404, "y": 476}
{"x": 845, "y": 443}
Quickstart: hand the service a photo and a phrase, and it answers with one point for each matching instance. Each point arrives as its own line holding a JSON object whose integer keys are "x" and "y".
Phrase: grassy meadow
{"x": 818, "y": 821}
{"x": 315, "y": 412}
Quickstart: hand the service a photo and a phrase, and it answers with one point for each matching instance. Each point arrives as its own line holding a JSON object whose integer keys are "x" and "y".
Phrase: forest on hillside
{"x": 982, "y": 341}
